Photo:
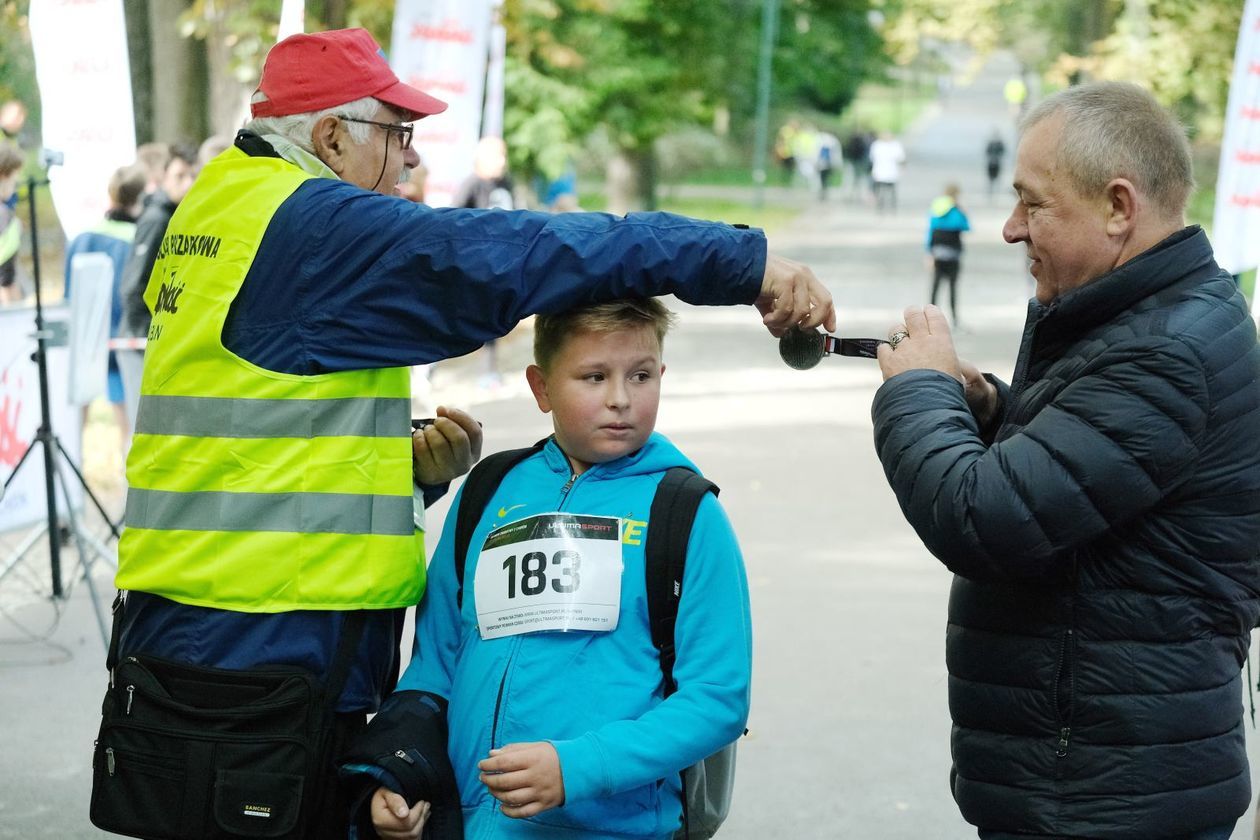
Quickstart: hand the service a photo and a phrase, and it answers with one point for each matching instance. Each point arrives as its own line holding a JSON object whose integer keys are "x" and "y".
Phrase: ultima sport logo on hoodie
{"x": 632, "y": 530}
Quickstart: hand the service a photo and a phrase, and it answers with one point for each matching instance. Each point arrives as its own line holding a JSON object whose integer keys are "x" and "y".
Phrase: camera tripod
{"x": 56, "y": 463}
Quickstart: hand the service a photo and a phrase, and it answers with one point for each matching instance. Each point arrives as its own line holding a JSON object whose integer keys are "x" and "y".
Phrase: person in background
{"x": 177, "y": 180}
{"x": 994, "y": 152}
{"x": 153, "y": 157}
{"x": 828, "y": 161}
{"x": 489, "y": 187}
{"x": 212, "y": 147}
{"x": 1101, "y": 515}
{"x": 113, "y": 236}
{"x": 12, "y": 121}
{"x": 857, "y": 157}
{"x": 785, "y": 149}
{"x": 11, "y": 161}
{"x": 887, "y": 157}
{"x": 946, "y": 224}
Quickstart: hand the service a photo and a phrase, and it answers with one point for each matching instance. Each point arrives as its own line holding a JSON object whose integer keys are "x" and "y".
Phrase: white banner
{"x": 24, "y": 502}
{"x": 84, "y": 80}
{"x": 440, "y": 47}
{"x": 492, "y": 116}
{"x": 1236, "y": 225}
{"x": 292, "y": 19}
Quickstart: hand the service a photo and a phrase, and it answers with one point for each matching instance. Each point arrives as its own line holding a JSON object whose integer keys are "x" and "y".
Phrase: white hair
{"x": 297, "y": 128}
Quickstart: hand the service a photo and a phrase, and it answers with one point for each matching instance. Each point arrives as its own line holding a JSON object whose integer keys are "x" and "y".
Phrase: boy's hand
{"x": 393, "y": 820}
{"x": 447, "y": 448}
{"x": 524, "y": 777}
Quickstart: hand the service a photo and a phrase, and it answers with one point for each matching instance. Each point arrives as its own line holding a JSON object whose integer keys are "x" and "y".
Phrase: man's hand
{"x": 982, "y": 396}
{"x": 524, "y": 777}
{"x": 447, "y": 448}
{"x": 792, "y": 296}
{"x": 393, "y": 820}
{"x": 927, "y": 345}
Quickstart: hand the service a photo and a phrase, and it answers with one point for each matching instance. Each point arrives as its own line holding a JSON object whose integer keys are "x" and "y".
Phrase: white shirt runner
{"x": 552, "y": 571}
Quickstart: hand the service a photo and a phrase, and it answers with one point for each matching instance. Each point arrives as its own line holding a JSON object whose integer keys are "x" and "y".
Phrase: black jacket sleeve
{"x": 1107, "y": 448}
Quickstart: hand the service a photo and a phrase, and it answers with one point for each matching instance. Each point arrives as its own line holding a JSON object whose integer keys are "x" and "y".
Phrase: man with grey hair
{"x": 1102, "y": 513}
{"x": 270, "y": 510}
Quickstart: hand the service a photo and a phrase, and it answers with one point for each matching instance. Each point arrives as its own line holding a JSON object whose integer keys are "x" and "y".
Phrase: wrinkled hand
{"x": 928, "y": 345}
{"x": 982, "y": 396}
{"x": 792, "y": 295}
{"x": 524, "y": 777}
{"x": 447, "y": 448}
{"x": 393, "y": 820}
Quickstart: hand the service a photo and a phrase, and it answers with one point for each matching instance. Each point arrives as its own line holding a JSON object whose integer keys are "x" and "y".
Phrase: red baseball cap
{"x": 321, "y": 70}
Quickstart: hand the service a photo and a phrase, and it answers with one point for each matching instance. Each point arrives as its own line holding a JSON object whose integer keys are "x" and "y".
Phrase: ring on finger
{"x": 897, "y": 337}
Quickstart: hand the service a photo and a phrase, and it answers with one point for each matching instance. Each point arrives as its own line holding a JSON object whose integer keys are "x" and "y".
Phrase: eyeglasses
{"x": 403, "y": 129}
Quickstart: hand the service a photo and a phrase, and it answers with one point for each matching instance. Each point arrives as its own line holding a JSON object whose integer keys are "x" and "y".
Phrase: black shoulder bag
{"x": 192, "y": 753}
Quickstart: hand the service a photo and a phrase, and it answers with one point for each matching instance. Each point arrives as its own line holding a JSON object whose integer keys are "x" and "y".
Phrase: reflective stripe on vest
{"x": 254, "y": 490}
{"x": 263, "y": 418}
{"x": 308, "y": 513}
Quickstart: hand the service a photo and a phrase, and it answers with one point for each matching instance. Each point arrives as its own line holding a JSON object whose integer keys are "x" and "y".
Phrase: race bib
{"x": 553, "y": 571}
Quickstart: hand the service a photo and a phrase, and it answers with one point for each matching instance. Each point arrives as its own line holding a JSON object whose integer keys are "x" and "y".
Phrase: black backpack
{"x": 707, "y": 784}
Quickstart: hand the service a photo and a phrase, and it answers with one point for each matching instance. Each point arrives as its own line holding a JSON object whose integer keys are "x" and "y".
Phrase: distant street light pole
{"x": 769, "y": 24}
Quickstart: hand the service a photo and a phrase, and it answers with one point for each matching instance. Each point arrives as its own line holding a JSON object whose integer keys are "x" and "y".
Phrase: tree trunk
{"x": 139, "y": 48}
{"x": 631, "y": 181}
{"x": 178, "y": 80}
{"x": 229, "y": 99}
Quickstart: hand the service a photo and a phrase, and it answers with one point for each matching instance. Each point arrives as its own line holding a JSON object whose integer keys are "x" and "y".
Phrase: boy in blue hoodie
{"x": 558, "y": 726}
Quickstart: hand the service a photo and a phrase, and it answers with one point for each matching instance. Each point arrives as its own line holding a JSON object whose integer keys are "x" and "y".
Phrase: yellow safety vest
{"x": 253, "y": 490}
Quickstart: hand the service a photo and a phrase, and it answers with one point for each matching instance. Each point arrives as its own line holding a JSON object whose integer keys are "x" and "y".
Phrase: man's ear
{"x": 329, "y": 140}
{"x": 1122, "y": 206}
{"x": 538, "y": 384}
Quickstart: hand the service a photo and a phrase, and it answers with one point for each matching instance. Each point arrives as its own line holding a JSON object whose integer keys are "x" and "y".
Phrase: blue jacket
{"x": 1105, "y": 537}
{"x": 946, "y": 223}
{"x": 595, "y": 696}
{"x": 347, "y": 279}
{"x": 102, "y": 241}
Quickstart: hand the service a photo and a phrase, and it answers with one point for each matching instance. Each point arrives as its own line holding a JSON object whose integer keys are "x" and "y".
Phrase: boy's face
{"x": 603, "y": 390}
{"x": 8, "y": 185}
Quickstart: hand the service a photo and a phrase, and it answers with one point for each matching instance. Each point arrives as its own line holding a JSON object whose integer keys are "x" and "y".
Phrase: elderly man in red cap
{"x": 272, "y": 520}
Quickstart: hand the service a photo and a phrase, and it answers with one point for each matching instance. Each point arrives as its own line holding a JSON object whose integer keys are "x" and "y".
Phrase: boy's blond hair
{"x": 11, "y": 159}
{"x": 551, "y": 331}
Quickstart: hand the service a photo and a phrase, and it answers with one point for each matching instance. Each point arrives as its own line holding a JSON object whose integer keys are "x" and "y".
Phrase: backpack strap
{"x": 477, "y": 491}
{"x": 673, "y": 511}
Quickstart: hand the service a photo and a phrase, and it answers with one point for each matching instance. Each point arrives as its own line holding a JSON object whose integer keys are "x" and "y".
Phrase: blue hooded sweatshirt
{"x": 596, "y": 696}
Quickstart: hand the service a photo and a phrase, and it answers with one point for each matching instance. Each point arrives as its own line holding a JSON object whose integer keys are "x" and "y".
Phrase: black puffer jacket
{"x": 1105, "y": 535}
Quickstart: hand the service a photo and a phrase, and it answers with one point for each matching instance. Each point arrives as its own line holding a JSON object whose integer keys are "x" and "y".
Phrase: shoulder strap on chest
{"x": 673, "y": 511}
{"x": 478, "y": 489}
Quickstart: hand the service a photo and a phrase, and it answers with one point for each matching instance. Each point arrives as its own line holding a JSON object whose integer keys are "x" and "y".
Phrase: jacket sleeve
{"x": 713, "y": 636}
{"x": 428, "y": 284}
{"x": 438, "y": 625}
{"x": 1106, "y": 449}
{"x": 135, "y": 279}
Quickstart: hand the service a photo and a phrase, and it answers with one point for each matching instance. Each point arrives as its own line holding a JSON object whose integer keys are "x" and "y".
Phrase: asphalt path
{"x": 849, "y": 733}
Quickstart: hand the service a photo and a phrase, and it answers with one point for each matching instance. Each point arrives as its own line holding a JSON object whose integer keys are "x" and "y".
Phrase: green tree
{"x": 17, "y": 63}
{"x": 634, "y": 68}
{"x": 1182, "y": 51}
{"x": 826, "y": 49}
{"x": 637, "y": 69}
